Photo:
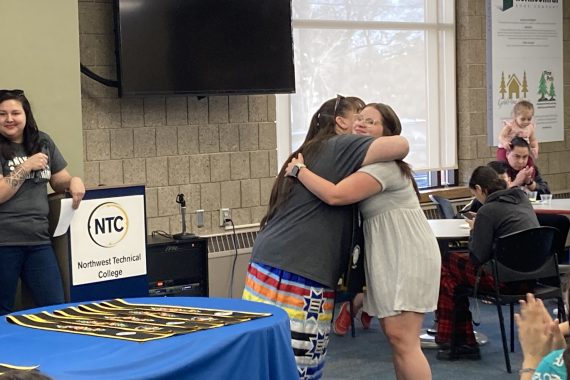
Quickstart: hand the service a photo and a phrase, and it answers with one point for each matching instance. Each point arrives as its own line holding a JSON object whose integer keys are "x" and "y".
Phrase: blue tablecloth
{"x": 258, "y": 349}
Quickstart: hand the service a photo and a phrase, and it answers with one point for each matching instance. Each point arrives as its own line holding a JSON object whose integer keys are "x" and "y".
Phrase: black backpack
{"x": 353, "y": 279}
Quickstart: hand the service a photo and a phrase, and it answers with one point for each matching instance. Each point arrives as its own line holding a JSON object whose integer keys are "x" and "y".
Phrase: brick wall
{"x": 472, "y": 96}
{"x": 220, "y": 151}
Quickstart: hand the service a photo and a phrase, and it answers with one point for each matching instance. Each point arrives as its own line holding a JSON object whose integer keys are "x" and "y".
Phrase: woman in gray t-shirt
{"x": 29, "y": 159}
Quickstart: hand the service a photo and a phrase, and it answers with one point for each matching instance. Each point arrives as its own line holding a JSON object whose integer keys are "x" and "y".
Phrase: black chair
{"x": 447, "y": 211}
{"x": 526, "y": 257}
{"x": 444, "y": 207}
{"x": 562, "y": 224}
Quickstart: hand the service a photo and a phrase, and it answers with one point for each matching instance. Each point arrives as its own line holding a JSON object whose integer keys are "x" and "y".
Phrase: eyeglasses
{"x": 367, "y": 122}
{"x": 338, "y": 100}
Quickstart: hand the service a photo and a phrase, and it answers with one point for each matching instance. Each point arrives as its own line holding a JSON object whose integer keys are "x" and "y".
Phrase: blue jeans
{"x": 37, "y": 266}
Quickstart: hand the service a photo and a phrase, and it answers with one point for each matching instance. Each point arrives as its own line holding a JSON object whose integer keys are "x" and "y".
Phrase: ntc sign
{"x": 108, "y": 224}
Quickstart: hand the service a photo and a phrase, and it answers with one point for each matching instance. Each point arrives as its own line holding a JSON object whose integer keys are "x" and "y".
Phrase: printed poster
{"x": 524, "y": 61}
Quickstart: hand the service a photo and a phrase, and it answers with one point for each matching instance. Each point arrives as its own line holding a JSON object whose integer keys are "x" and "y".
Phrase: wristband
{"x": 296, "y": 168}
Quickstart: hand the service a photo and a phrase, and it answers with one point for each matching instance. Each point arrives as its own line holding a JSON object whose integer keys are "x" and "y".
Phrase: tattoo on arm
{"x": 17, "y": 177}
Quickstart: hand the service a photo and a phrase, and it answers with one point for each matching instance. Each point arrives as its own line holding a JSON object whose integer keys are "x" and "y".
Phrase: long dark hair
{"x": 322, "y": 127}
{"x": 488, "y": 179}
{"x": 392, "y": 127}
{"x": 501, "y": 167}
{"x": 31, "y": 143}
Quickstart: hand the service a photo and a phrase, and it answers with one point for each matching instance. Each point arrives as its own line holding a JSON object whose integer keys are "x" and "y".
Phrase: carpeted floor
{"x": 368, "y": 355}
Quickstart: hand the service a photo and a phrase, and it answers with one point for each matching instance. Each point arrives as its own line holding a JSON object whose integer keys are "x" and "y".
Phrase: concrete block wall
{"x": 473, "y": 149}
{"x": 220, "y": 151}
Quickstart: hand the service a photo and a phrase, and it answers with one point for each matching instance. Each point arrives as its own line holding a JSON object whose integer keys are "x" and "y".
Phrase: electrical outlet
{"x": 199, "y": 218}
{"x": 225, "y": 214}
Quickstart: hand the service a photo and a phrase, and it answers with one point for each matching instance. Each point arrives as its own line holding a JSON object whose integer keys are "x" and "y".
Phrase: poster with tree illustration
{"x": 524, "y": 61}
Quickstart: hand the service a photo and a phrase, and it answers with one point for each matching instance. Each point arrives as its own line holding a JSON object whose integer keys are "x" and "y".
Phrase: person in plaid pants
{"x": 504, "y": 211}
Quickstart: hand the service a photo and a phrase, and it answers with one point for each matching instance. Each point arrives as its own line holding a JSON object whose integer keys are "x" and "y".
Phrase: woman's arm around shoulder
{"x": 387, "y": 148}
{"x": 352, "y": 189}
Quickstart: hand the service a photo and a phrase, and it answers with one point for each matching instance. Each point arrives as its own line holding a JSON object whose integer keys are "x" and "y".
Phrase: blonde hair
{"x": 520, "y": 105}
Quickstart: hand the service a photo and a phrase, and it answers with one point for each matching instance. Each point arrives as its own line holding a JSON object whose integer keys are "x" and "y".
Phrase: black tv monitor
{"x": 204, "y": 47}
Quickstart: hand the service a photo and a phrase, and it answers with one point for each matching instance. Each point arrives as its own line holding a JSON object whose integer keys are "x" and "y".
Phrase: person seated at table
{"x": 528, "y": 177}
{"x": 505, "y": 210}
{"x": 521, "y": 172}
{"x": 501, "y": 168}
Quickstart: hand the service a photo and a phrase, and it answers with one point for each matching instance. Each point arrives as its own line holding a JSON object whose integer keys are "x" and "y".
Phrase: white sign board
{"x": 108, "y": 239}
{"x": 524, "y": 61}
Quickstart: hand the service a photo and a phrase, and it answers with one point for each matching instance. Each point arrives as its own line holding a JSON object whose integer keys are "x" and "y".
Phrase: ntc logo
{"x": 108, "y": 224}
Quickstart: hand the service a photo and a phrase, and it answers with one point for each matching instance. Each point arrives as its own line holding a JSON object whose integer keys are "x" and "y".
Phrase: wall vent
{"x": 561, "y": 195}
{"x": 225, "y": 242}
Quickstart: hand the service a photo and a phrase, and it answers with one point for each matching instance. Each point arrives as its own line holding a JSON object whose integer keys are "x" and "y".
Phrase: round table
{"x": 260, "y": 348}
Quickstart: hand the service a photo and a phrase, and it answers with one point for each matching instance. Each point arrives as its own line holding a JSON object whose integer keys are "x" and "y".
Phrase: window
{"x": 398, "y": 52}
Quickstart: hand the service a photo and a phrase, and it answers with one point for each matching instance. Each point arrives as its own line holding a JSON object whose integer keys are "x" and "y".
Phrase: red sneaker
{"x": 366, "y": 319}
{"x": 342, "y": 323}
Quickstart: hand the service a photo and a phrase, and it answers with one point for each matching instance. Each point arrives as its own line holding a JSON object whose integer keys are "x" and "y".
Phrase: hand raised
{"x": 38, "y": 161}
{"x": 535, "y": 330}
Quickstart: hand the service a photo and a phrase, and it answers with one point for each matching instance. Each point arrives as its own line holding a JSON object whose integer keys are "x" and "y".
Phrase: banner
{"x": 524, "y": 61}
{"x": 107, "y": 238}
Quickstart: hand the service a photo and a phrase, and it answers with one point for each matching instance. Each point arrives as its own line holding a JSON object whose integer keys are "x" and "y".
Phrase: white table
{"x": 446, "y": 231}
{"x": 449, "y": 229}
{"x": 556, "y": 206}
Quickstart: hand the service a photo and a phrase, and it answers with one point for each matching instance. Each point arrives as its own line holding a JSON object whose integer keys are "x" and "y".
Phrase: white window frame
{"x": 441, "y": 139}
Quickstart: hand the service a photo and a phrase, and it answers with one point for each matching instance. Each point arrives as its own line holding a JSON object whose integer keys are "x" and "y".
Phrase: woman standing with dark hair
{"x": 304, "y": 243}
{"x": 29, "y": 160}
{"x": 504, "y": 211}
{"x": 402, "y": 261}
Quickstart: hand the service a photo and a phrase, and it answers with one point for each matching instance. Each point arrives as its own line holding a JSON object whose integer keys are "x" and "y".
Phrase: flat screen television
{"x": 204, "y": 47}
